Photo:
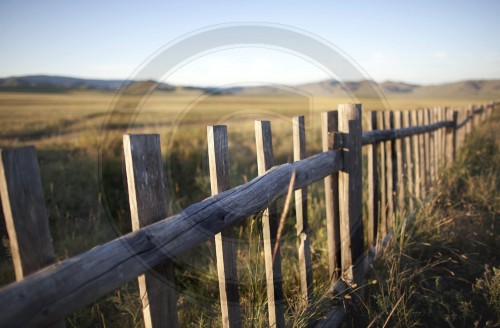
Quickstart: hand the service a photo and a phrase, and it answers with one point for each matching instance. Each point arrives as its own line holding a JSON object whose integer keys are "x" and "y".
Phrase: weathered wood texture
{"x": 382, "y": 226}
{"x": 25, "y": 214}
{"x": 421, "y": 155}
{"x": 35, "y": 301}
{"x": 371, "y": 137}
{"x": 389, "y": 172}
{"x": 408, "y": 163}
{"x": 373, "y": 184}
{"x": 416, "y": 157}
{"x": 24, "y": 210}
{"x": 272, "y": 258}
{"x": 218, "y": 156}
{"x": 350, "y": 191}
{"x": 427, "y": 153}
{"x": 148, "y": 204}
{"x": 302, "y": 225}
{"x": 399, "y": 152}
{"x": 330, "y": 125}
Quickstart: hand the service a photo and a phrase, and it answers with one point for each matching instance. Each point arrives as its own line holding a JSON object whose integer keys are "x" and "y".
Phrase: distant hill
{"x": 468, "y": 88}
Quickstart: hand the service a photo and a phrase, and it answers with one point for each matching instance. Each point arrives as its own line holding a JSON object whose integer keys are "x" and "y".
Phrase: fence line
{"x": 412, "y": 145}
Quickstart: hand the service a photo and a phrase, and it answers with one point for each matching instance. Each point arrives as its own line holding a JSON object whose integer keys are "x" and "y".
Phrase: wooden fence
{"x": 405, "y": 151}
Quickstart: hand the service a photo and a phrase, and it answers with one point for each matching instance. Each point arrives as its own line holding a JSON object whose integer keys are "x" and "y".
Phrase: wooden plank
{"x": 350, "y": 191}
{"x": 35, "y": 302}
{"x": 382, "y": 179}
{"x": 218, "y": 157}
{"x": 373, "y": 185}
{"x": 399, "y": 152}
{"x": 148, "y": 204}
{"x": 441, "y": 139}
{"x": 435, "y": 147}
{"x": 24, "y": 211}
{"x": 454, "y": 118}
{"x": 408, "y": 169}
{"x": 305, "y": 265}
{"x": 376, "y": 136}
{"x": 468, "y": 127}
{"x": 265, "y": 161}
{"x": 427, "y": 152}
{"x": 389, "y": 174}
{"x": 416, "y": 157}
{"x": 330, "y": 125}
{"x": 422, "y": 164}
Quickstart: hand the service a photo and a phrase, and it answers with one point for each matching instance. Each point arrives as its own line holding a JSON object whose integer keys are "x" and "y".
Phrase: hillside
{"x": 466, "y": 89}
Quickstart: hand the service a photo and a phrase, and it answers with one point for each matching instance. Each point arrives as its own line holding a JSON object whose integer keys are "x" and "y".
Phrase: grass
{"x": 442, "y": 269}
{"x": 66, "y": 127}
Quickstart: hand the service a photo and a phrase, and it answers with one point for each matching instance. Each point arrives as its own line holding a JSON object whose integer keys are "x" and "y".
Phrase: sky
{"x": 422, "y": 42}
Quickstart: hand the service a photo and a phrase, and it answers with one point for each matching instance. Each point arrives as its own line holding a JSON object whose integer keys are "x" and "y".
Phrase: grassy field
{"x": 67, "y": 129}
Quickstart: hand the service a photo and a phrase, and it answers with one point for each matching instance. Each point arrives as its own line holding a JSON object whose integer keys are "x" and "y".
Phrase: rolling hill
{"x": 468, "y": 88}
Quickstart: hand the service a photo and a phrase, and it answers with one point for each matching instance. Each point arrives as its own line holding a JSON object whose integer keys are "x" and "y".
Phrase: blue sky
{"x": 413, "y": 41}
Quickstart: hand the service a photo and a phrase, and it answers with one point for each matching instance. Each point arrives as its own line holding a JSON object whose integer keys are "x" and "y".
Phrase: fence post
{"x": 422, "y": 164}
{"x": 389, "y": 172}
{"x": 350, "y": 191}
{"x": 470, "y": 117}
{"x": 25, "y": 213}
{"x": 399, "y": 150}
{"x": 373, "y": 188}
{"x": 408, "y": 162}
{"x": 427, "y": 152}
{"x": 24, "y": 210}
{"x": 218, "y": 157}
{"x": 454, "y": 136}
{"x": 305, "y": 267}
{"x": 416, "y": 157}
{"x": 330, "y": 125}
{"x": 382, "y": 227}
{"x": 148, "y": 204}
{"x": 265, "y": 161}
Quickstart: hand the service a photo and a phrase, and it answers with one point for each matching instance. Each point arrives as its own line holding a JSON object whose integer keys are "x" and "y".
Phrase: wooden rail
{"x": 413, "y": 145}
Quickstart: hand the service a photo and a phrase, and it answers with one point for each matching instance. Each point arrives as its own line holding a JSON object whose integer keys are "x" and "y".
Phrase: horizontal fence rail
{"x": 406, "y": 151}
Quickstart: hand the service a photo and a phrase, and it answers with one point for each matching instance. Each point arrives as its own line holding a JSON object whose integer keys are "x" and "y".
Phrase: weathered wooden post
{"x": 350, "y": 191}
{"x": 421, "y": 155}
{"x": 389, "y": 172}
{"x": 399, "y": 152}
{"x": 305, "y": 266}
{"x": 148, "y": 204}
{"x": 265, "y": 161}
{"x": 416, "y": 158}
{"x": 373, "y": 185}
{"x": 329, "y": 126}
{"x": 408, "y": 163}
{"x": 453, "y": 156}
{"x": 218, "y": 157}
{"x": 427, "y": 152}
{"x": 382, "y": 226}
{"x": 25, "y": 214}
